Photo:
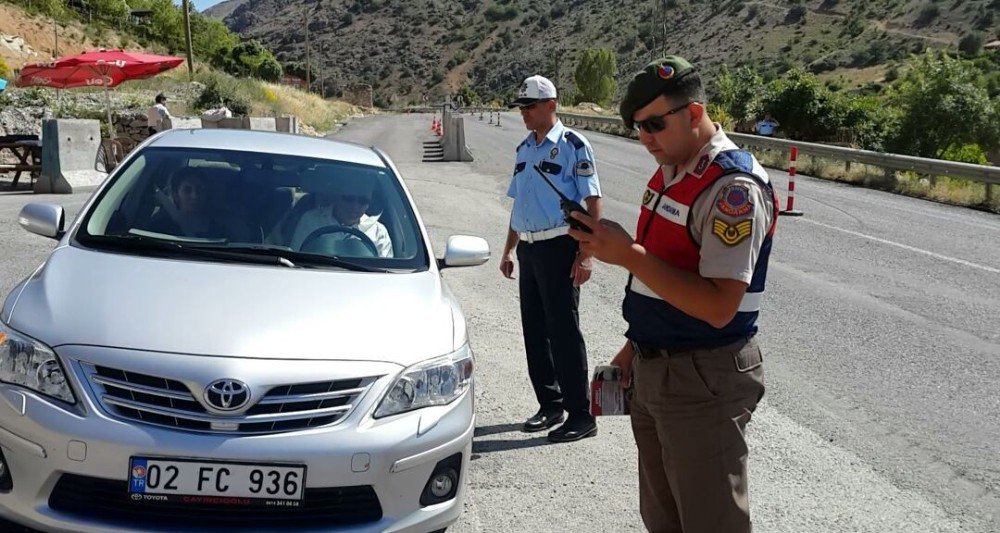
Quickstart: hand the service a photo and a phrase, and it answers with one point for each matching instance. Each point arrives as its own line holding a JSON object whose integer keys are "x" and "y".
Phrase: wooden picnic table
{"x": 27, "y": 149}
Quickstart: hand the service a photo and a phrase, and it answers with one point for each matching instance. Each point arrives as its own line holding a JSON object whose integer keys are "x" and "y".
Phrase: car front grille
{"x": 107, "y": 500}
{"x": 168, "y": 402}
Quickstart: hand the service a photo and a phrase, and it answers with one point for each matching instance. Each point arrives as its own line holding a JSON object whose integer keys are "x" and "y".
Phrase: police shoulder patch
{"x": 732, "y": 234}
{"x": 734, "y": 200}
{"x": 574, "y": 139}
{"x": 584, "y": 168}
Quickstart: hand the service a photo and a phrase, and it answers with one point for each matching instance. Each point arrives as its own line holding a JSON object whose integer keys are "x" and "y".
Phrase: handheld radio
{"x": 567, "y": 205}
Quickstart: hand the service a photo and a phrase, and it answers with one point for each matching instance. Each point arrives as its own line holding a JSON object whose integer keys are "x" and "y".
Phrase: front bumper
{"x": 394, "y": 456}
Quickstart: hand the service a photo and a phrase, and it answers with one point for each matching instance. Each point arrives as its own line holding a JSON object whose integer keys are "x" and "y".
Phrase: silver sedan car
{"x": 240, "y": 330}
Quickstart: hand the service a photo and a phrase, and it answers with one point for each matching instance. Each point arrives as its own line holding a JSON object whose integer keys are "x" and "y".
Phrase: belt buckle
{"x": 528, "y": 237}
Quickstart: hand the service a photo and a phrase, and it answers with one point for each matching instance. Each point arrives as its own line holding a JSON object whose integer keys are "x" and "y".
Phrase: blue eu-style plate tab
{"x": 137, "y": 475}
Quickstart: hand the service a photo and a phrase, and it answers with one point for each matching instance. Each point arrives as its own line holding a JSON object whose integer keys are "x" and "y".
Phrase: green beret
{"x": 656, "y": 78}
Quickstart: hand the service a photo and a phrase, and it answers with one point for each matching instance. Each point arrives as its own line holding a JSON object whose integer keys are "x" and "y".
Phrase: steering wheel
{"x": 334, "y": 228}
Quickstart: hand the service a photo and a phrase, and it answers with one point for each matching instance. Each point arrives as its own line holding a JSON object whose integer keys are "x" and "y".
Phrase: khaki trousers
{"x": 689, "y": 413}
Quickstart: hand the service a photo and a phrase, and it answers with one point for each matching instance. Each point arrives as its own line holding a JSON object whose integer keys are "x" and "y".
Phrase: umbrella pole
{"x": 107, "y": 102}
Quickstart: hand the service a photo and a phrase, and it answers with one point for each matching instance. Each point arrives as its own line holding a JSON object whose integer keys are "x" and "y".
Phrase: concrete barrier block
{"x": 453, "y": 140}
{"x": 69, "y": 155}
{"x": 289, "y": 124}
{"x": 262, "y": 123}
{"x": 184, "y": 123}
{"x": 234, "y": 123}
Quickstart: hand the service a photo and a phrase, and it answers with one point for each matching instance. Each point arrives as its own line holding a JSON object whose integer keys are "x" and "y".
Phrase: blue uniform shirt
{"x": 567, "y": 159}
{"x": 766, "y": 127}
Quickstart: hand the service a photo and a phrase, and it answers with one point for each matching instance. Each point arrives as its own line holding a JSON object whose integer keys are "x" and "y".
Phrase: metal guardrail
{"x": 990, "y": 175}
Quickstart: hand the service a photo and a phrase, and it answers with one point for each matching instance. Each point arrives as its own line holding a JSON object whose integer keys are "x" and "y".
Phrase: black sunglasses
{"x": 657, "y": 124}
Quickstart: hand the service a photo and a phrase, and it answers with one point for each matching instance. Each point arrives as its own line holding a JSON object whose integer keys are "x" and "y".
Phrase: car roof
{"x": 269, "y": 143}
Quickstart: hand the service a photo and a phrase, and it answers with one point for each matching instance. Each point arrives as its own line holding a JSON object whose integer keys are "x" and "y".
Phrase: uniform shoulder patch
{"x": 732, "y": 234}
{"x": 574, "y": 139}
{"x": 734, "y": 200}
{"x": 731, "y": 160}
{"x": 518, "y": 149}
{"x": 584, "y": 168}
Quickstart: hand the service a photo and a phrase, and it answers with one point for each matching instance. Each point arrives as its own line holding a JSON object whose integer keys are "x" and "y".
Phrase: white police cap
{"x": 534, "y": 89}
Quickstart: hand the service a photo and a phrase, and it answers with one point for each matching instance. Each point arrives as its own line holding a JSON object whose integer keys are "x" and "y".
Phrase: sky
{"x": 201, "y": 5}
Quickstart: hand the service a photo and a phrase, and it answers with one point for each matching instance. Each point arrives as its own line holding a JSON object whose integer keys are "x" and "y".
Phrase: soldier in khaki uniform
{"x": 698, "y": 265}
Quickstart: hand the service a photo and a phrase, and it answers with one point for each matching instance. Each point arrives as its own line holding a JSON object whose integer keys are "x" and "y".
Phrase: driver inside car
{"x": 347, "y": 199}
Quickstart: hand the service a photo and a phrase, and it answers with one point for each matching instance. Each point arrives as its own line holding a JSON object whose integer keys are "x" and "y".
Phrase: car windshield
{"x": 239, "y": 205}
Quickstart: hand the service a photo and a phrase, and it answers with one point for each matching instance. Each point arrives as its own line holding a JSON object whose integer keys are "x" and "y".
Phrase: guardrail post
{"x": 989, "y": 194}
{"x": 498, "y": 119}
{"x": 793, "y": 153}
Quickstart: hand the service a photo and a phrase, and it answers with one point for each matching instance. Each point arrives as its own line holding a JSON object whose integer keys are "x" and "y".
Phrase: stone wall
{"x": 359, "y": 95}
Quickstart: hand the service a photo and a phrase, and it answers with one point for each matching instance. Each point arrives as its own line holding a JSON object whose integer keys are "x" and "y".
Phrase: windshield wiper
{"x": 224, "y": 253}
{"x": 287, "y": 254}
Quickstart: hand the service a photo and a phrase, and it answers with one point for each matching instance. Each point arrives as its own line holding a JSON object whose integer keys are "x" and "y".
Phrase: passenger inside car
{"x": 338, "y": 224}
{"x": 191, "y": 211}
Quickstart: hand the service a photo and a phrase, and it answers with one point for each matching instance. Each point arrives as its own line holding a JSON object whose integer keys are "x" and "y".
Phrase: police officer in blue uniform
{"x": 551, "y": 266}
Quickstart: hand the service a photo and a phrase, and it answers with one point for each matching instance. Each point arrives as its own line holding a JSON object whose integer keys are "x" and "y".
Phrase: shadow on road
{"x": 501, "y": 445}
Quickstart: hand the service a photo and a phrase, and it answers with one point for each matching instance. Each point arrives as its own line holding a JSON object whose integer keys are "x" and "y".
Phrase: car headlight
{"x": 29, "y": 363}
{"x": 437, "y": 381}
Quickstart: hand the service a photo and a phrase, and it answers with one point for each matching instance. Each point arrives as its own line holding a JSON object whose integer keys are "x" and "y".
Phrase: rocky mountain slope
{"x": 407, "y": 49}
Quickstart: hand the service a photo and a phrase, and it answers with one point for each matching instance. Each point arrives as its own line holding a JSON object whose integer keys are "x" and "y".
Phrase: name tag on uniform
{"x": 673, "y": 210}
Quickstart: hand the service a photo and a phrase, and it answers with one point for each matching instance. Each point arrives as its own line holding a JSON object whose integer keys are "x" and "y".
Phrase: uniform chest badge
{"x": 554, "y": 152}
{"x": 647, "y": 197}
{"x": 732, "y": 234}
{"x": 702, "y": 165}
{"x": 734, "y": 200}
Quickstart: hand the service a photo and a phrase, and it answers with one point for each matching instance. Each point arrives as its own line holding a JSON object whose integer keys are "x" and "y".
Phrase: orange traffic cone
{"x": 434, "y": 122}
{"x": 439, "y": 131}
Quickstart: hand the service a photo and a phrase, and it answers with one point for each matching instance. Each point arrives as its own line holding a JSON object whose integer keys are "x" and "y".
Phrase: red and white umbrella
{"x": 95, "y": 68}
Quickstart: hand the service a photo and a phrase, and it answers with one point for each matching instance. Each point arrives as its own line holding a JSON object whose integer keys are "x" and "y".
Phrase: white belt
{"x": 751, "y": 300}
{"x": 544, "y": 235}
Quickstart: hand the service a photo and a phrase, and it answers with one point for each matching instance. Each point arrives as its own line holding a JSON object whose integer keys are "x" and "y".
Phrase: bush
{"x": 498, "y": 13}
{"x": 796, "y": 14}
{"x": 4, "y": 69}
{"x": 928, "y": 14}
{"x": 972, "y": 43}
{"x": 221, "y": 89}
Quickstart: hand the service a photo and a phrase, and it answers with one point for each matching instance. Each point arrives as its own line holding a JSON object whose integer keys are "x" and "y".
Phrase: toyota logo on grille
{"x": 227, "y": 394}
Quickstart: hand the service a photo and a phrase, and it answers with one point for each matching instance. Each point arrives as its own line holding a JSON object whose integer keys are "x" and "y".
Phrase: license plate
{"x": 157, "y": 479}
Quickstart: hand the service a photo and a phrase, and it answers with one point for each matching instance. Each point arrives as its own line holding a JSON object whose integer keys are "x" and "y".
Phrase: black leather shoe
{"x": 574, "y": 430}
{"x": 543, "y": 420}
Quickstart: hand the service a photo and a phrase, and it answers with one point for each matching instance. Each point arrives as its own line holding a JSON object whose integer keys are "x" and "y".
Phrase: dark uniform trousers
{"x": 557, "y": 355}
{"x": 689, "y": 413}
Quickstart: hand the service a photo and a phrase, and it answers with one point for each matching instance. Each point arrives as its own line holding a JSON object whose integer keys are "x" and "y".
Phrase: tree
{"x": 944, "y": 104}
{"x": 595, "y": 75}
{"x": 740, "y": 93}
{"x": 800, "y": 103}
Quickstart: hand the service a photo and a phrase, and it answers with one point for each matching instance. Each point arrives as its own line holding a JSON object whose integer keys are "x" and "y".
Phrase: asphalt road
{"x": 881, "y": 332}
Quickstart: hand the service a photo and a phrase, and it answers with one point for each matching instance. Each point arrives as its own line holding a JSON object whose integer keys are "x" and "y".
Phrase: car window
{"x": 238, "y": 200}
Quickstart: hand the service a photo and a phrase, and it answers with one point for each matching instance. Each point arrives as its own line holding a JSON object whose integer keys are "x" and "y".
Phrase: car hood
{"x": 87, "y": 297}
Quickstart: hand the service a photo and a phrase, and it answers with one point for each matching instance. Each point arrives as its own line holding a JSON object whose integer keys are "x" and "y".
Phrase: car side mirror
{"x": 463, "y": 251}
{"x": 46, "y": 220}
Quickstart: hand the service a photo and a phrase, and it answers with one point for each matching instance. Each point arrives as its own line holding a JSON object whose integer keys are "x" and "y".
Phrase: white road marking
{"x": 906, "y": 247}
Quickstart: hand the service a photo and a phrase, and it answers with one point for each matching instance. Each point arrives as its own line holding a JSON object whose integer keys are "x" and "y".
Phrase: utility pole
{"x": 305, "y": 22}
{"x": 187, "y": 38}
{"x": 322, "y": 78}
